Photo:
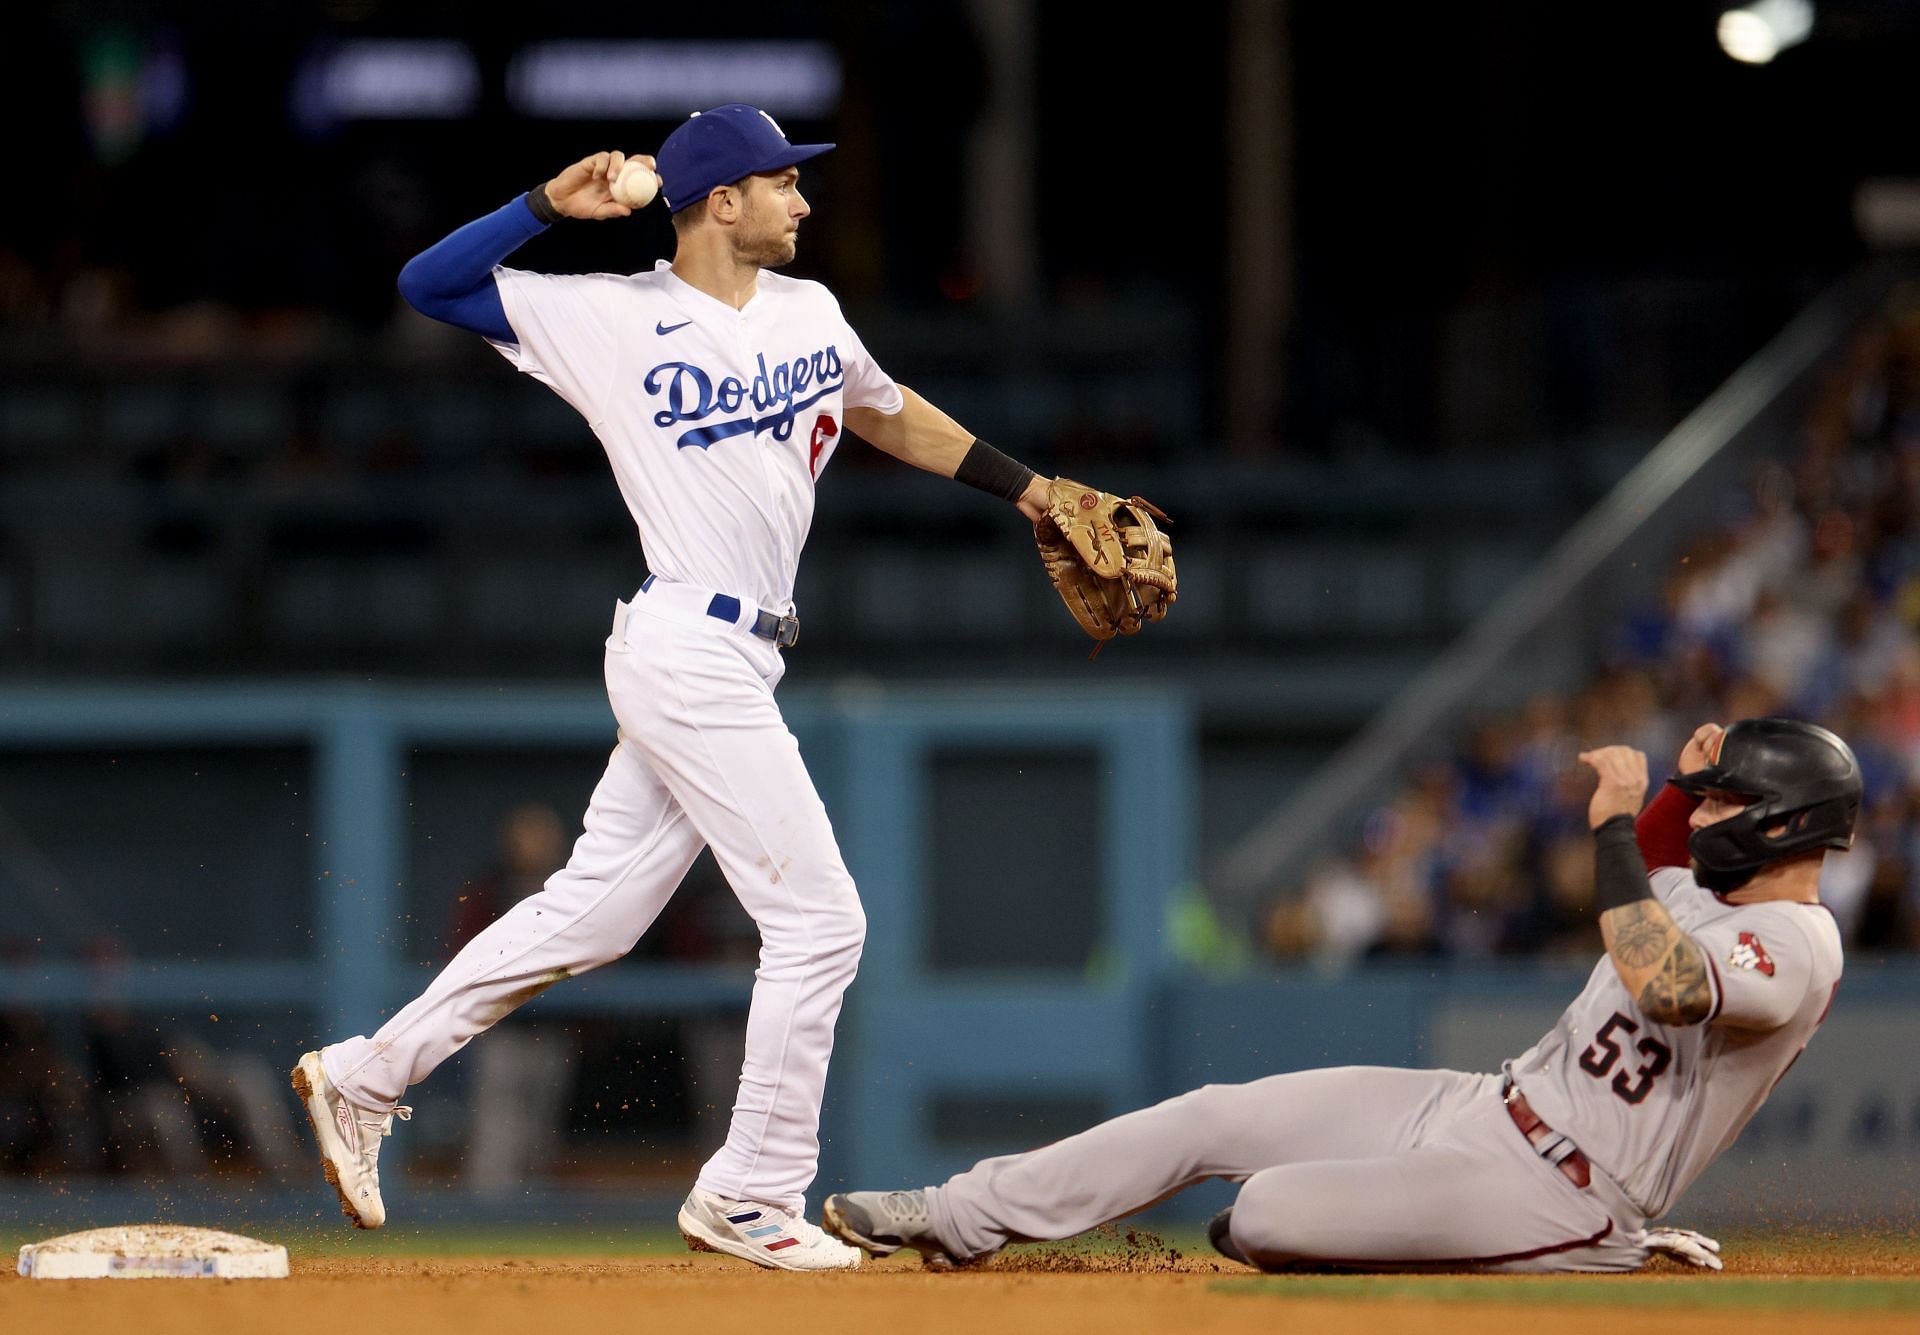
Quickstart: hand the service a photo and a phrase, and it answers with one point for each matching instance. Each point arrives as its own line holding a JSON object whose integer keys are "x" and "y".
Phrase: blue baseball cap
{"x": 719, "y": 147}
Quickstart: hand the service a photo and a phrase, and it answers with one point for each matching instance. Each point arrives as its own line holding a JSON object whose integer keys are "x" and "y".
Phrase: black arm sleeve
{"x": 1619, "y": 872}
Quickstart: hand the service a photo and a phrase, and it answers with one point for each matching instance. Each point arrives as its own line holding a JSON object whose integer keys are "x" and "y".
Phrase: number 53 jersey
{"x": 1653, "y": 1105}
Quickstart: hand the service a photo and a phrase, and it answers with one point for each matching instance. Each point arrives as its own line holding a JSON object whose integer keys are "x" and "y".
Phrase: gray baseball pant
{"x": 1357, "y": 1167}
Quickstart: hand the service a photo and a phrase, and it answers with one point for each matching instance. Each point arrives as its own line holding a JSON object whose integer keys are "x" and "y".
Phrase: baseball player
{"x": 720, "y": 391}
{"x": 1715, "y": 978}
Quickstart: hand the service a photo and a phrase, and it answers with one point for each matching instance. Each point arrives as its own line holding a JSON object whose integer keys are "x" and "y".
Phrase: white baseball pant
{"x": 704, "y": 758}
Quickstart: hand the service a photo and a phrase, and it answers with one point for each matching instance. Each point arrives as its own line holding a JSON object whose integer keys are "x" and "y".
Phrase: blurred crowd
{"x": 1806, "y": 603}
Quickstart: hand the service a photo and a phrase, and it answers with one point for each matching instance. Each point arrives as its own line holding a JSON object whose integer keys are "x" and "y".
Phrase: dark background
{"x": 1567, "y": 172}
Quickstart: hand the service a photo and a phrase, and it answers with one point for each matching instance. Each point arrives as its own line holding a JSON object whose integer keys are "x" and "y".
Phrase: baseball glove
{"x": 1111, "y": 564}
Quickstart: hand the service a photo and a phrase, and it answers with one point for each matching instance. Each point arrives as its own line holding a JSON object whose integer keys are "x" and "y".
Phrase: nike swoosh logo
{"x": 669, "y": 328}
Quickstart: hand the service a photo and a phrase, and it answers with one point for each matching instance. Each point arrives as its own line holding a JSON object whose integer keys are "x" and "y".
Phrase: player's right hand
{"x": 1702, "y": 749}
{"x": 1623, "y": 783}
{"x": 585, "y": 190}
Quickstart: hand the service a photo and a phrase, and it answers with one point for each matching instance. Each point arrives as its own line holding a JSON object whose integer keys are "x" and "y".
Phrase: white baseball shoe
{"x": 882, "y": 1222}
{"x": 763, "y": 1234}
{"x": 349, "y": 1137}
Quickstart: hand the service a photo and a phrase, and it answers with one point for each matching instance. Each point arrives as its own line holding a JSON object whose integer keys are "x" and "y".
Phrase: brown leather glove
{"x": 1111, "y": 564}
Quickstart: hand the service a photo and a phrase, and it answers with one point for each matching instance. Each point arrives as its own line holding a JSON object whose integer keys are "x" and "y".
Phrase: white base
{"x": 153, "y": 1251}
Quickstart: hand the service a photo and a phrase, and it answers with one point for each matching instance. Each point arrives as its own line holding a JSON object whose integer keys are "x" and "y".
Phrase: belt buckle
{"x": 786, "y": 632}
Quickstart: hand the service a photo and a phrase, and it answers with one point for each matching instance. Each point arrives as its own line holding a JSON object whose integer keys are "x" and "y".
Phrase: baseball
{"x": 636, "y": 185}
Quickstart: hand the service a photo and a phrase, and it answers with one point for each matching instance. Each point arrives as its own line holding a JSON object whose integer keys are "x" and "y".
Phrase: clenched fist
{"x": 1623, "y": 783}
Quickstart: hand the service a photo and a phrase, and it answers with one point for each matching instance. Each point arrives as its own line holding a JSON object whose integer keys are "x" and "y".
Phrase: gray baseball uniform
{"x": 1555, "y": 1165}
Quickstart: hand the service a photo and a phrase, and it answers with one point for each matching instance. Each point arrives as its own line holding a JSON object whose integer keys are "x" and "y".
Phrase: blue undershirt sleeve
{"x": 452, "y": 280}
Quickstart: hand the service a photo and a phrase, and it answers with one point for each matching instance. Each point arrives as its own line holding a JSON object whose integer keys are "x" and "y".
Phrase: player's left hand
{"x": 1623, "y": 783}
{"x": 585, "y": 190}
{"x": 1685, "y": 1246}
{"x": 1035, "y": 500}
{"x": 1106, "y": 557}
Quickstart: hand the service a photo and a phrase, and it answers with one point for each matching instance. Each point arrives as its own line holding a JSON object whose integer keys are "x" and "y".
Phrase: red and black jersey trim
{"x": 1443, "y": 1263}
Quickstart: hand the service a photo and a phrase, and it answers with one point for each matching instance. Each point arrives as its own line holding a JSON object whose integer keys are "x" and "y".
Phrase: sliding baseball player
{"x": 1720, "y": 964}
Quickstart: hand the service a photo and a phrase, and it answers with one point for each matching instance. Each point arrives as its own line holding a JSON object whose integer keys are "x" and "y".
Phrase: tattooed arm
{"x": 1661, "y": 966}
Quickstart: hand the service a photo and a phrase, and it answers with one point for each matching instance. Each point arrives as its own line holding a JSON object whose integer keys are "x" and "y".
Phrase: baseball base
{"x": 153, "y": 1251}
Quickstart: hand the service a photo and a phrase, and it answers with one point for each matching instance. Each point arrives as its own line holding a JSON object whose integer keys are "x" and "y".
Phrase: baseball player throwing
{"x": 1715, "y": 978}
{"x": 720, "y": 391}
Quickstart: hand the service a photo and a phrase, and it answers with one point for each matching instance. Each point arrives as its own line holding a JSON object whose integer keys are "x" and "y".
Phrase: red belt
{"x": 1574, "y": 1167}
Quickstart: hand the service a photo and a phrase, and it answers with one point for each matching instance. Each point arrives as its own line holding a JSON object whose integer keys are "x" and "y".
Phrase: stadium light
{"x": 1756, "y": 33}
{"x": 602, "y": 80}
{"x": 381, "y": 78}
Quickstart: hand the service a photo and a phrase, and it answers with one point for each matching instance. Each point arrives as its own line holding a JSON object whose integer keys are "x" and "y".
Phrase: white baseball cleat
{"x": 349, "y": 1138}
{"x": 763, "y": 1234}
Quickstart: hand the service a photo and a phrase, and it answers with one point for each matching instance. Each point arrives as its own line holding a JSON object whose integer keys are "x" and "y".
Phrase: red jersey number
{"x": 824, "y": 430}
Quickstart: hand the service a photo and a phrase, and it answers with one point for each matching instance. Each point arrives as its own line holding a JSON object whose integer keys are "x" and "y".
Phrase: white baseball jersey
{"x": 1653, "y": 1105}
{"x": 717, "y": 421}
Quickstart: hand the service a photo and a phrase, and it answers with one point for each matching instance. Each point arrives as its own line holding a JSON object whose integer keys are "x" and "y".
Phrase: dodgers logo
{"x": 768, "y": 403}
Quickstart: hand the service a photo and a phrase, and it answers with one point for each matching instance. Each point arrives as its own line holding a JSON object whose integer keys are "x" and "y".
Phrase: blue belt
{"x": 783, "y": 631}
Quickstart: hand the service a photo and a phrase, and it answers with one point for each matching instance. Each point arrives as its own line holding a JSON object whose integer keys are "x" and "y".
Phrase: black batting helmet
{"x": 1804, "y": 782}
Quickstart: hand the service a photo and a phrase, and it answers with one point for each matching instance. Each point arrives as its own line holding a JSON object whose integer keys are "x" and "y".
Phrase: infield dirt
{"x": 1140, "y": 1289}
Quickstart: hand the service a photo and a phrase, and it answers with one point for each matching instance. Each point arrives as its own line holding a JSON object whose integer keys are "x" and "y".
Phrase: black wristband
{"x": 1619, "y": 872}
{"x": 542, "y": 207}
{"x": 993, "y": 472}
